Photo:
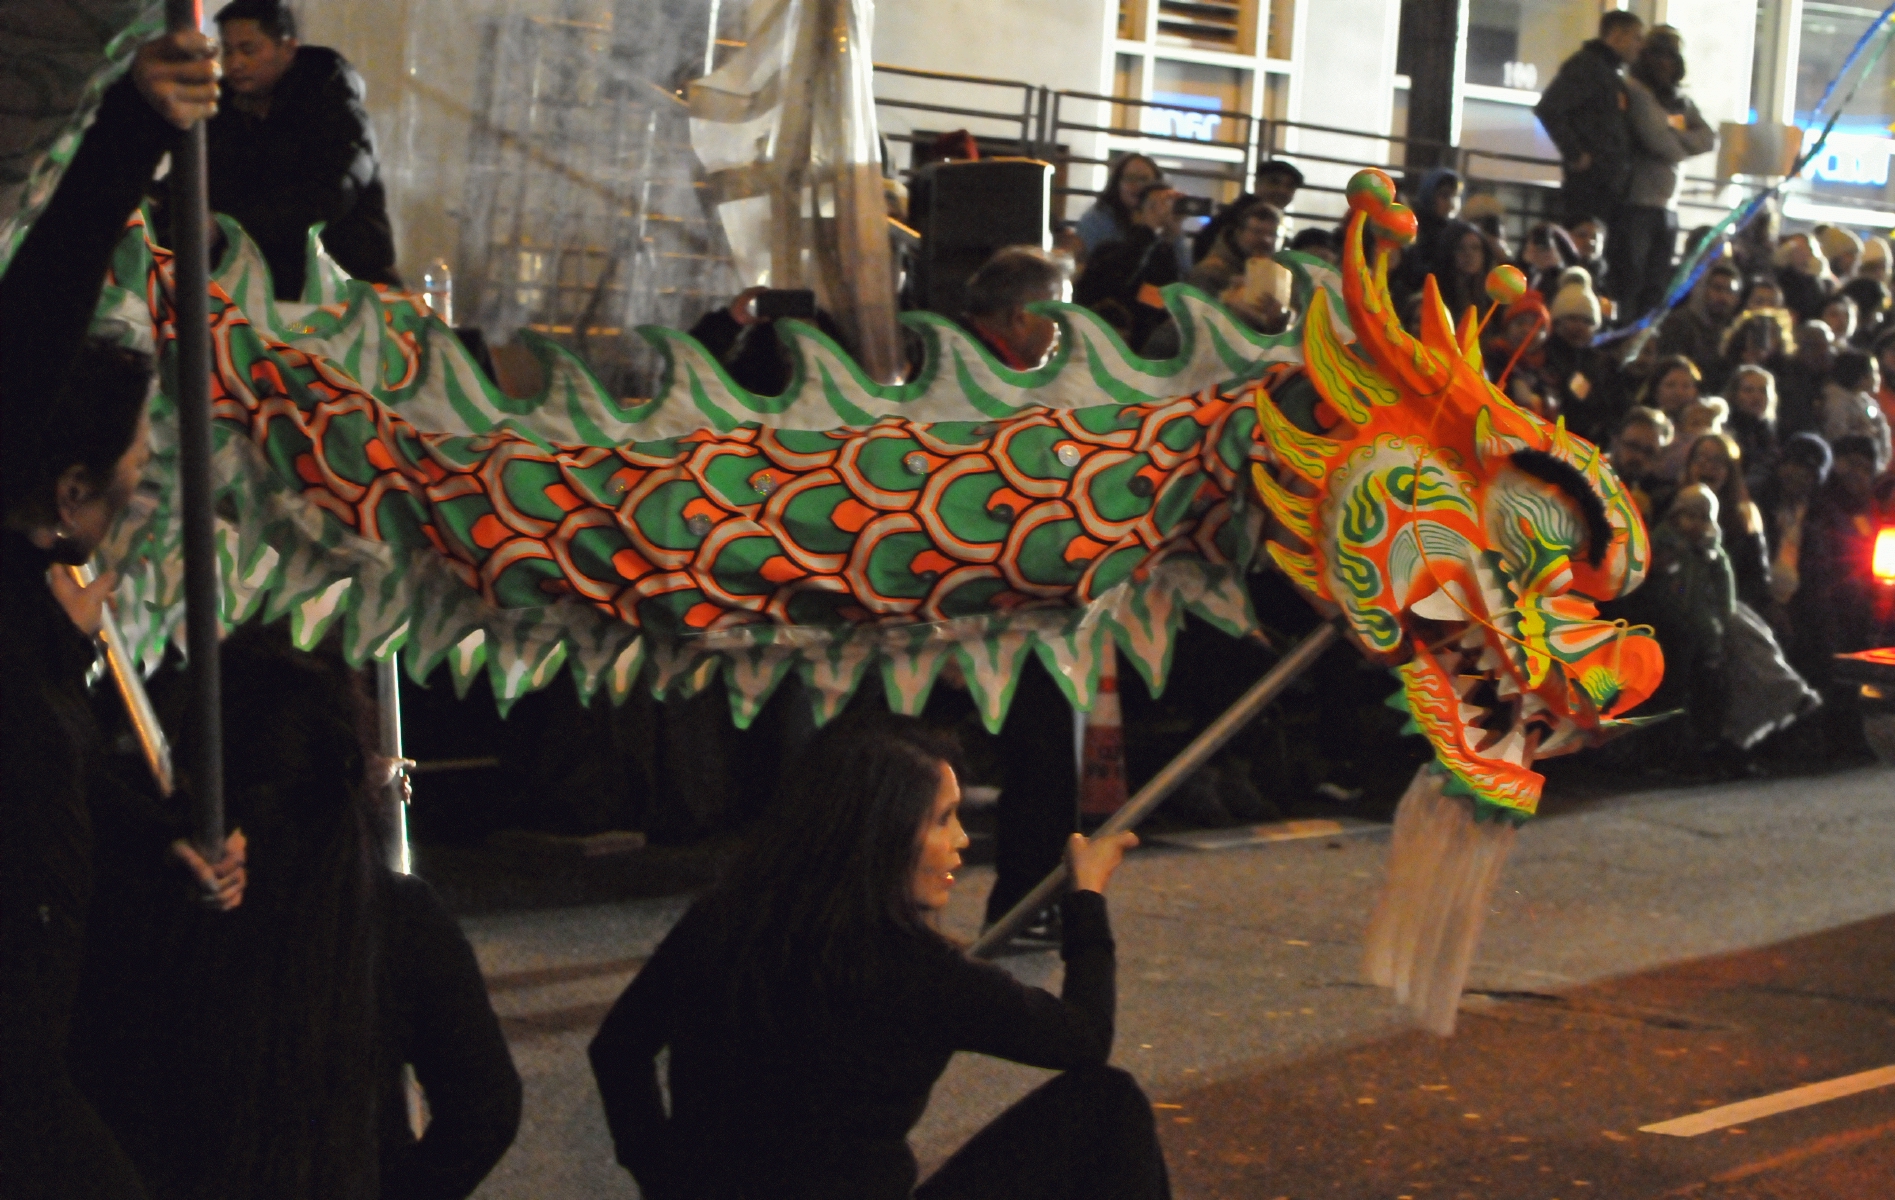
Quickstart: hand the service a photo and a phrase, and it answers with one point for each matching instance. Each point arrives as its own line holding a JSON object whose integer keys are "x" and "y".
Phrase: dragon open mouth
{"x": 1466, "y": 695}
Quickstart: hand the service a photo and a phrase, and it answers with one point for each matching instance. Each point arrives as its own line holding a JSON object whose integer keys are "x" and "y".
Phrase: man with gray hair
{"x": 996, "y": 306}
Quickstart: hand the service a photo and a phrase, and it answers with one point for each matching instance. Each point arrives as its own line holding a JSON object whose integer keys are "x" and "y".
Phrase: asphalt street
{"x": 1649, "y": 956}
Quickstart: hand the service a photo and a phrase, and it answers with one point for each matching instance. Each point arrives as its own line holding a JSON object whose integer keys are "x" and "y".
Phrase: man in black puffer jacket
{"x": 291, "y": 146}
{"x": 1586, "y": 112}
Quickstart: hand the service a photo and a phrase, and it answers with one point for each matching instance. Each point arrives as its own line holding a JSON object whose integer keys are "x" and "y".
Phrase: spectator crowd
{"x": 1751, "y": 421}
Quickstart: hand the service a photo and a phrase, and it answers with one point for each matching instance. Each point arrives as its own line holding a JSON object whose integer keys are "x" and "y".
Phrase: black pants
{"x": 1641, "y": 244}
{"x": 1087, "y": 1133}
{"x": 1039, "y": 796}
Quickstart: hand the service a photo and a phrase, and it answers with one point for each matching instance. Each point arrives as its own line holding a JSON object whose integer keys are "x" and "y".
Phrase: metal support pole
{"x": 190, "y": 217}
{"x": 1175, "y": 772}
{"x": 388, "y": 706}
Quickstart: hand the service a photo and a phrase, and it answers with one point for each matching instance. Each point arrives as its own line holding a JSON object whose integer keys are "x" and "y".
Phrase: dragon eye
{"x": 1595, "y": 530}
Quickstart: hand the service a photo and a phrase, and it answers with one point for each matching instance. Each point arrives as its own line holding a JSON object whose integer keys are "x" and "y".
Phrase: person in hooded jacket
{"x": 1697, "y": 328}
{"x": 1437, "y": 204}
{"x": 1666, "y": 129}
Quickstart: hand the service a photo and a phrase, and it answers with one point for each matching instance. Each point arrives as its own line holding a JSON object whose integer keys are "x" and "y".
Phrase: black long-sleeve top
{"x": 52, "y": 1142}
{"x": 311, "y": 158}
{"x": 435, "y": 1015}
{"x": 156, "y": 1052}
{"x": 824, "y": 1108}
{"x": 54, "y": 793}
{"x": 1117, "y": 277}
{"x": 53, "y": 283}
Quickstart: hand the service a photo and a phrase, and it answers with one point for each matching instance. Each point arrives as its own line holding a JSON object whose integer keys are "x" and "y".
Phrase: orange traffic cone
{"x": 1102, "y": 750}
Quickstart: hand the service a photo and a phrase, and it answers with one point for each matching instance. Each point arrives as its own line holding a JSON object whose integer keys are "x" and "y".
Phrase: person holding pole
{"x": 809, "y": 1005}
{"x": 74, "y": 432}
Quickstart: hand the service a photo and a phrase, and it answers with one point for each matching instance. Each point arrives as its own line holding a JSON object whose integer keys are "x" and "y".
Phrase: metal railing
{"x": 1043, "y": 123}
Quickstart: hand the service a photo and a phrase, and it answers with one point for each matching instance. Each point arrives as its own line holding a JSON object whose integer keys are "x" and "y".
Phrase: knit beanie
{"x": 1575, "y": 297}
{"x": 1811, "y": 451}
{"x": 1837, "y": 242}
{"x": 1530, "y": 301}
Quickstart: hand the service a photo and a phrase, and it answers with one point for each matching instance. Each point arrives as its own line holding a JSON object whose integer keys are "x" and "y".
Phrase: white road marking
{"x": 1770, "y": 1106}
{"x": 1258, "y": 835}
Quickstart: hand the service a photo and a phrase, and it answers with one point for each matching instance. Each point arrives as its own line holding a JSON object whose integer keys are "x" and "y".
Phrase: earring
{"x": 65, "y": 547}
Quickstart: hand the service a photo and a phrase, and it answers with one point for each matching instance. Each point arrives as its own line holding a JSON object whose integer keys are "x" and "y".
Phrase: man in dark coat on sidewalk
{"x": 291, "y": 146}
{"x": 1586, "y": 111}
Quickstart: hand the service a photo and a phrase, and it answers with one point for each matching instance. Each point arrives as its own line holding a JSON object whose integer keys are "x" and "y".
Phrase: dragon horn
{"x": 1372, "y": 315}
{"x": 1438, "y": 340}
{"x": 1468, "y": 334}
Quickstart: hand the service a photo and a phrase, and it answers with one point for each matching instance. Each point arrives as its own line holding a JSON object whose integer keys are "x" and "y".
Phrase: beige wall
{"x": 1344, "y": 77}
{"x": 1718, "y": 50}
{"x": 420, "y": 59}
{"x": 1059, "y": 44}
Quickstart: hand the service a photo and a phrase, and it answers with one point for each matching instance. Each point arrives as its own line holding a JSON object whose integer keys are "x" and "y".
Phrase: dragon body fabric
{"x": 369, "y": 473}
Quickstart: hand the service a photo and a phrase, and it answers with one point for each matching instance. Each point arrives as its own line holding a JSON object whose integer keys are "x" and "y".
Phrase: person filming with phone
{"x": 1124, "y": 277}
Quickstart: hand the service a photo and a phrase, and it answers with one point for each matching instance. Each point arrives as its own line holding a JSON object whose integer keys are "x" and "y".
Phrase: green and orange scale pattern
{"x": 895, "y": 523}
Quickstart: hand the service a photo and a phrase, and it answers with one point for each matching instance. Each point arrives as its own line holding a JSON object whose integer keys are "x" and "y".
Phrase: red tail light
{"x": 1883, "y": 564}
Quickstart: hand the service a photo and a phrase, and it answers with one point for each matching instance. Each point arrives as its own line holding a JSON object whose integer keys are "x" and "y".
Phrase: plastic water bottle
{"x": 437, "y": 284}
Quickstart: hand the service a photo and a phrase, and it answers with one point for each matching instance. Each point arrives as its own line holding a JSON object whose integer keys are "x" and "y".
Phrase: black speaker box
{"x": 965, "y": 211}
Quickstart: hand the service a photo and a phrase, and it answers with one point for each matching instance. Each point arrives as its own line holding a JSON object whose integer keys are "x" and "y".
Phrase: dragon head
{"x": 1466, "y": 540}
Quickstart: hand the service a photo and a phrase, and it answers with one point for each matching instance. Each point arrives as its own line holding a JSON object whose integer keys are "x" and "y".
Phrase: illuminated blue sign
{"x": 1851, "y": 158}
{"x": 1181, "y": 120}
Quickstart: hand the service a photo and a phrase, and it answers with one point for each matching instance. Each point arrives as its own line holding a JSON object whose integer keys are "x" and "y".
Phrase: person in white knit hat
{"x": 1584, "y": 378}
{"x": 1575, "y": 300}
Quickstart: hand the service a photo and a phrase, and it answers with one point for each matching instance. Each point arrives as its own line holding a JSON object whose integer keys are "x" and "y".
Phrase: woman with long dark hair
{"x": 808, "y": 1007}
{"x": 260, "y": 1056}
{"x": 1136, "y": 193}
{"x": 1715, "y": 460}
{"x": 75, "y": 434}
{"x": 1464, "y": 256}
{"x": 1753, "y": 420}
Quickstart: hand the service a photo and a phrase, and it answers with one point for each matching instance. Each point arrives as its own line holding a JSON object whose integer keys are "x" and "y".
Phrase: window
{"x": 1211, "y": 24}
{"x": 1282, "y": 26}
{"x": 1520, "y": 44}
{"x": 1132, "y": 20}
{"x": 1855, "y": 161}
{"x": 1196, "y": 101}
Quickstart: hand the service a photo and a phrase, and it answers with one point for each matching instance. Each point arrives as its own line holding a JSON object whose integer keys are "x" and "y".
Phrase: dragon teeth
{"x": 1489, "y": 660}
{"x": 1463, "y": 684}
{"x": 1512, "y": 748}
{"x": 1471, "y": 713}
{"x": 1474, "y": 638}
{"x": 1507, "y": 685}
{"x": 1531, "y": 703}
{"x": 1437, "y": 606}
{"x": 1563, "y": 738}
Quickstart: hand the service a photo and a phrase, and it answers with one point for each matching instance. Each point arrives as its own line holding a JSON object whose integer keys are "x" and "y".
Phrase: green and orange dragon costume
{"x": 370, "y": 474}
